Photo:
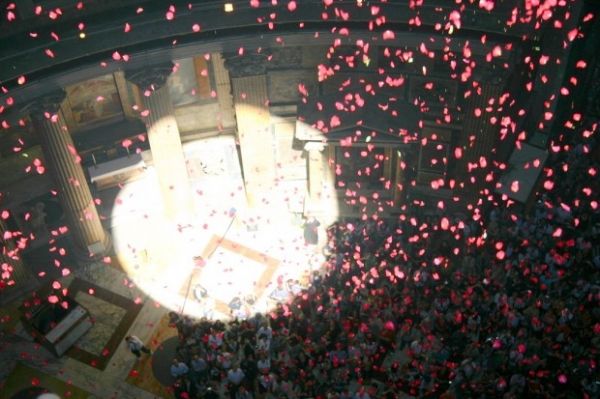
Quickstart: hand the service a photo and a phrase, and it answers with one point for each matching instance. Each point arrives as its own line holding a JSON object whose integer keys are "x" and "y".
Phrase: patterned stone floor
{"x": 231, "y": 270}
{"x": 245, "y": 251}
{"x": 112, "y": 315}
{"x": 106, "y": 317}
{"x": 100, "y": 382}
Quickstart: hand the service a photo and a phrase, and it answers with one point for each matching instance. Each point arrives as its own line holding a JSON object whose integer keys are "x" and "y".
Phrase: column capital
{"x": 49, "y": 102}
{"x": 246, "y": 65}
{"x": 152, "y": 77}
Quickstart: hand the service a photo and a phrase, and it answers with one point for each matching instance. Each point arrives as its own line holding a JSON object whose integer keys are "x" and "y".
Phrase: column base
{"x": 94, "y": 251}
{"x": 20, "y": 290}
{"x": 181, "y": 216}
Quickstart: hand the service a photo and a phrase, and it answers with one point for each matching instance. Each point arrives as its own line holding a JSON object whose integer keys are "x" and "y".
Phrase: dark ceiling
{"x": 36, "y": 45}
{"x": 41, "y": 48}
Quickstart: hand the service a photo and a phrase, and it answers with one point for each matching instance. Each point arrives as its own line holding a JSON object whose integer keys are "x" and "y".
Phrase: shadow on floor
{"x": 25, "y": 381}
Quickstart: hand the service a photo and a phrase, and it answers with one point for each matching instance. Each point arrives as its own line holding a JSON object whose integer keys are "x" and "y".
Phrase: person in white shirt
{"x": 263, "y": 364}
{"x": 279, "y": 294}
{"x": 266, "y": 331}
{"x": 263, "y": 345}
{"x": 264, "y": 335}
{"x": 136, "y": 346}
{"x": 294, "y": 287}
{"x": 235, "y": 377}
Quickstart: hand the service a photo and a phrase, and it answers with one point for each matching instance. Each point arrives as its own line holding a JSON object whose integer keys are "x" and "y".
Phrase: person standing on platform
{"x": 311, "y": 231}
{"x": 136, "y": 346}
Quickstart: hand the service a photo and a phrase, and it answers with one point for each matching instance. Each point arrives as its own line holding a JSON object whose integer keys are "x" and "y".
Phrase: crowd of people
{"x": 428, "y": 305}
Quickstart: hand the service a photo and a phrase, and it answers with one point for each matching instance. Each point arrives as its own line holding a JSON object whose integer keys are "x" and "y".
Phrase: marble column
{"x": 254, "y": 130}
{"x": 316, "y": 172}
{"x": 226, "y": 115}
{"x": 164, "y": 139}
{"x": 15, "y": 278}
{"x": 64, "y": 164}
{"x": 399, "y": 180}
{"x": 322, "y": 200}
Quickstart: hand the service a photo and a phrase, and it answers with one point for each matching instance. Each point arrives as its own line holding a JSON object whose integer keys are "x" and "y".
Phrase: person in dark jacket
{"x": 311, "y": 231}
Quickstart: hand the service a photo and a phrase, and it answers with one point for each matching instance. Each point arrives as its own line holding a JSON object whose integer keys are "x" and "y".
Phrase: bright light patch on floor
{"x": 162, "y": 256}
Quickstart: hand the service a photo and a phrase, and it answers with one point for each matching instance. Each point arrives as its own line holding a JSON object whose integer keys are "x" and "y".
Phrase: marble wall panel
{"x": 197, "y": 117}
{"x": 313, "y": 56}
{"x": 283, "y": 84}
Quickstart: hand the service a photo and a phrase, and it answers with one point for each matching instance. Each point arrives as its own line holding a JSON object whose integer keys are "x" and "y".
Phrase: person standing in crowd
{"x": 136, "y": 346}
{"x": 235, "y": 377}
{"x": 507, "y": 311}
{"x": 179, "y": 368}
{"x": 243, "y": 393}
{"x": 250, "y": 369}
{"x": 199, "y": 367}
{"x": 211, "y": 392}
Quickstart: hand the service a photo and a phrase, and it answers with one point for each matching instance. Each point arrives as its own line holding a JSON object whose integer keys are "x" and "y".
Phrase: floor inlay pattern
{"x": 106, "y": 317}
{"x": 231, "y": 270}
{"x": 113, "y": 315}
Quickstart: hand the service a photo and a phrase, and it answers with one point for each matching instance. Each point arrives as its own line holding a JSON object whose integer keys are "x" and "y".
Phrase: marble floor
{"x": 19, "y": 348}
{"x": 225, "y": 248}
{"x": 243, "y": 251}
{"x": 231, "y": 270}
{"x": 112, "y": 315}
{"x": 106, "y": 317}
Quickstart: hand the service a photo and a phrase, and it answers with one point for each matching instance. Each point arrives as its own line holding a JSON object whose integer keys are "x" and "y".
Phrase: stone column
{"x": 15, "y": 279}
{"x": 164, "y": 139}
{"x": 64, "y": 164}
{"x": 316, "y": 172}
{"x": 322, "y": 200}
{"x": 251, "y": 103}
{"x": 399, "y": 183}
{"x": 226, "y": 116}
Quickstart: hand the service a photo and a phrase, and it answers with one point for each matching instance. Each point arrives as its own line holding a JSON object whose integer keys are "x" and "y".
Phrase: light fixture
{"x": 228, "y": 7}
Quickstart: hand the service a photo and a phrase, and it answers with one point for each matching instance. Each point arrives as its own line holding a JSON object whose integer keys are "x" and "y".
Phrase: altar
{"x": 117, "y": 171}
{"x": 57, "y": 327}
